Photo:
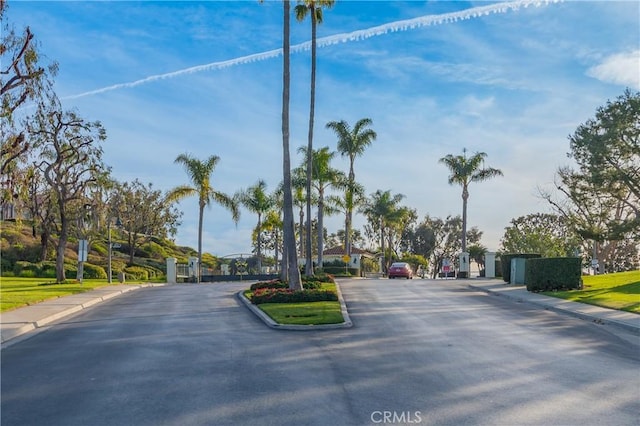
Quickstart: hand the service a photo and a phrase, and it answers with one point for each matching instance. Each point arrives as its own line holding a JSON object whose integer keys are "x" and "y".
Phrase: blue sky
{"x": 204, "y": 78}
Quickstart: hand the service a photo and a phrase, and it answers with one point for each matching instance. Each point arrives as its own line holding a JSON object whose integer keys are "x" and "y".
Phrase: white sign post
{"x": 83, "y": 250}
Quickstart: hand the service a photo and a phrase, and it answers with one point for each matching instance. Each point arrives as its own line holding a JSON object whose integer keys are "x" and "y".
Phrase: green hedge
{"x": 553, "y": 273}
{"x": 339, "y": 270}
{"x": 91, "y": 271}
{"x": 278, "y": 284}
{"x": 281, "y": 295}
{"x": 505, "y": 263}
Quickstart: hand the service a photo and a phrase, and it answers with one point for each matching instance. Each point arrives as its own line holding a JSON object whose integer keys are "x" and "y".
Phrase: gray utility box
{"x": 517, "y": 270}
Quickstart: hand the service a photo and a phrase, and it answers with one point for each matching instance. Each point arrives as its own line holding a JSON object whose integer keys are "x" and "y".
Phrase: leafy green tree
{"x": 476, "y": 254}
{"x": 465, "y": 170}
{"x": 417, "y": 261}
{"x": 600, "y": 198}
{"x": 593, "y": 216}
{"x": 70, "y": 160}
{"x": 352, "y": 143}
{"x": 258, "y": 201}
{"x": 550, "y": 235}
{"x": 313, "y": 8}
{"x": 199, "y": 173}
{"x": 441, "y": 239}
{"x": 272, "y": 230}
{"x": 607, "y": 151}
{"x": 144, "y": 213}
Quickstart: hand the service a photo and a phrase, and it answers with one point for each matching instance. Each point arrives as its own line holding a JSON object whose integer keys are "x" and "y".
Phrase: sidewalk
{"x": 626, "y": 320}
{"x": 19, "y": 321}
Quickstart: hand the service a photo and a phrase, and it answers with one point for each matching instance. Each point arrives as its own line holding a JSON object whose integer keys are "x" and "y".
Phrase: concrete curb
{"x": 18, "y": 322}
{"x": 628, "y": 321}
{"x": 293, "y": 327}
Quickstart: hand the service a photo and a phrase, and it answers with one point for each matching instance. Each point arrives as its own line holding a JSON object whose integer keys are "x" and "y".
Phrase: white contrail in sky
{"x": 397, "y": 26}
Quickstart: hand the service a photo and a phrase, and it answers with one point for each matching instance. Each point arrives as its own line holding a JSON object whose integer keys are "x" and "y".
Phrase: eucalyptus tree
{"x": 465, "y": 170}
{"x": 323, "y": 177}
{"x": 70, "y": 161}
{"x": 352, "y": 142}
{"x": 23, "y": 78}
{"x": 257, "y": 200}
{"x": 199, "y": 173}
{"x": 313, "y": 9}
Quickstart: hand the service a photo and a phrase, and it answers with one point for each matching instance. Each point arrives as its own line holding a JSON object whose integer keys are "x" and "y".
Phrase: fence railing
{"x": 182, "y": 271}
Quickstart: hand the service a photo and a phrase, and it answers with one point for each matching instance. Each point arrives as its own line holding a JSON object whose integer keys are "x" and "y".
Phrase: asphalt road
{"x": 420, "y": 352}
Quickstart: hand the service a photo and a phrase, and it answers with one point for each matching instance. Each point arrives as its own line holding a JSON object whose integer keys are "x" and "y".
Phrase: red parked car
{"x": 400, "y": 269}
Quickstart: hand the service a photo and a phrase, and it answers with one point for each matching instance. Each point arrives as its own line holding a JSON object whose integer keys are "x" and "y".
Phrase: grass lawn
{"x": 17, "y": 292}
{"x": 311, "y": 313}
{"x": 616, "y": 291}
{"x": 308, "y": 313}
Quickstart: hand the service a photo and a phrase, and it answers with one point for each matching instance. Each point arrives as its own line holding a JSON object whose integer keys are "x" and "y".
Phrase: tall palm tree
{"x": 352, "y": 143}
{"x": 381, "y": 212}
{"x": 324, "y": 177}
{"x": 465, "y": 170}
{"x": 258, "y": 201}
{"x": 291, "y": 272}
{"x": 313, "y": 8}
{"x": 199, "y": 173}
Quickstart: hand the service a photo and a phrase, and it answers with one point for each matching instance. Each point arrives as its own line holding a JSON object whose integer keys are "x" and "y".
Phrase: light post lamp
{"x": 118, "y": 225}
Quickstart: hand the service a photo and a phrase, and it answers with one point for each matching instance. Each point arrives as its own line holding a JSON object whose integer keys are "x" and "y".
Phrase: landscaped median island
{"x": 317, "y": 304}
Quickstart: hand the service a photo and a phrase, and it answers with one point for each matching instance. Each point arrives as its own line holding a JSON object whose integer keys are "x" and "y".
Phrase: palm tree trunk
{"x": 200, "y": 226}
{"x": 382, "y": 247}
{"x": 465, "y": 197}
{"x": 293, "y": 273}
{"x": 301, "y": 227}
{"x": 349, "y": 218}
{"x": 309, "y": 264}
{"x": 320, "y": 229}
{"x": 259, "y": 243}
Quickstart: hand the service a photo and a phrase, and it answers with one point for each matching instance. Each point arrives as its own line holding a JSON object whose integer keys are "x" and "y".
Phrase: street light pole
{"x": 110, "y": 244}
{"x": 109, "y": 251}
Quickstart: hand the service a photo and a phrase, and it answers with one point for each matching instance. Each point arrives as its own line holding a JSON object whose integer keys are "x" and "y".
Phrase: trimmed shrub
{"x": 339, "y": 270}
{"x": 93, "y": 271}
{"x": 268, "y": 284}
{"x": 136, "y": 273}
{"x": 281, "y": 295}
{"x": 48, "y": 269}
{"x": 321, "y": 276}
{"x": 553, "y": 273}
{"x": 505, "y": 263}
{"x": 278, "y": 284}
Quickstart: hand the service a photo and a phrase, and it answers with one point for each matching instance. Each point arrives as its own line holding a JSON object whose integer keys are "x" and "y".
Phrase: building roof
{"x": 339, "y": 251}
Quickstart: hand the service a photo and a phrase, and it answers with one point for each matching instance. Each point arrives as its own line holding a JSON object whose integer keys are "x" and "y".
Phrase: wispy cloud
{"x": 621, "y": 68}
{"x": 380, "y": 30}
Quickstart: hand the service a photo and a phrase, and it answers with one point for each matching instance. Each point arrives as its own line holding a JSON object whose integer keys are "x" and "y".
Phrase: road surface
{"x": 428, "y": 352}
